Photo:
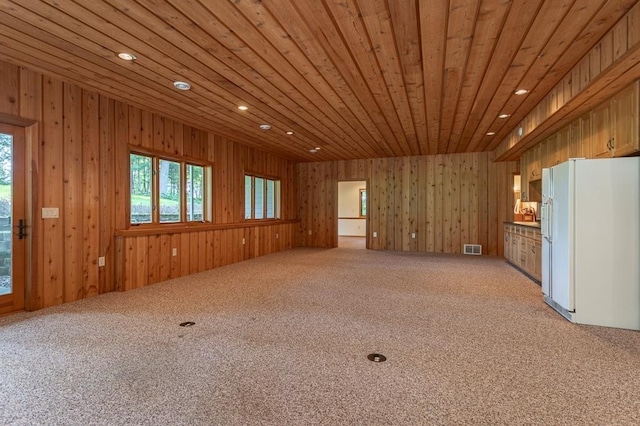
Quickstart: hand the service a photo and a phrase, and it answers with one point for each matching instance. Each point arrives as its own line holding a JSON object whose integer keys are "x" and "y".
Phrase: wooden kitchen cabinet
{"x": 601, "y": 131}
{"x": 523, "y": 249}
{"x": 585, "y": 135}
{"x": 524, "y": 176}
{"x": 614, "y": 125}
{"x": 625, "y": 117}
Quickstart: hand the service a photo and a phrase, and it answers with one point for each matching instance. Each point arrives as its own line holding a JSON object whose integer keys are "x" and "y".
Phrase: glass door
{"x": 13, "y": 229}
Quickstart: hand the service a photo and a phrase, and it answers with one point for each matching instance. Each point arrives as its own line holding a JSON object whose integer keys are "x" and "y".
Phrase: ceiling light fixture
{"x": 289, "y": 132}
{"x": 125, "y": 56}
{"x": 504, "y": 115}
{"x": 182, "y": 85}
{"x": 491, "y": 133}
{"x": 243, "y": 107}
{"x": 264, "y": 127}
{"x": 313, "y": 150}
{"x": 521, "y": 92}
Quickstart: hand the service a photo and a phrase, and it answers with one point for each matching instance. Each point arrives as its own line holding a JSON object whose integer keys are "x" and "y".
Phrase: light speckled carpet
{"x": 284, "y": 339}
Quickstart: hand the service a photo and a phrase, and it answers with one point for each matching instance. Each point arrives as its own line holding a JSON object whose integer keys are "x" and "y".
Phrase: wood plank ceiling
{"x": 356, "y": 78}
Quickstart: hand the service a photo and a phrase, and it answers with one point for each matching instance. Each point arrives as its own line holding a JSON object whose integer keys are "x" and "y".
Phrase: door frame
{"x": 337, "y": 199}
{"x": 30, "y": 130}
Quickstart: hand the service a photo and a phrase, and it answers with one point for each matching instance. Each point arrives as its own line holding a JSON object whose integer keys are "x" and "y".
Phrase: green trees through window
{"x": 168, "y": 190}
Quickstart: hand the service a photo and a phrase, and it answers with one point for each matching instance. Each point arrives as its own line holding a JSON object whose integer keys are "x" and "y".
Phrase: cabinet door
{"x": 537, "y": 253}
{"x": 575, "y": 140}
{"x": 524, "y": 176}
{"x": 515, "y": 249}
{"x": 601, "y": 131}
{"x": 507, "y": 246}
{"x": 562, "y": 145}
{"x": 535, "y": 171}
{"x": 531, "y": 256}
{"x": 585, "y": 131}
{"x": 625, "y": 117}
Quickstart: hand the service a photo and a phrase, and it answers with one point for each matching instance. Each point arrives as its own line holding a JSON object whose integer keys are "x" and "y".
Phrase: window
{"x": 363, "y": 203}
{"x": 261, "y": 198}
{"x": 168, "y": 190}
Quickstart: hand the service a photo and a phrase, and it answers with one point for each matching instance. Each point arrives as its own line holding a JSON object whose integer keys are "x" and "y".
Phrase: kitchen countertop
{"x": 529, "y": 224}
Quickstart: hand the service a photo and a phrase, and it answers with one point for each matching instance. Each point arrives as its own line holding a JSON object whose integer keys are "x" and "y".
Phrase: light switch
{"x": 50, "y": 212}
{"x": 243, "y": 241}
{"x": 375, "y": 234}
{"x": 413, "y": 235}
{"x": 174, "y": 252}
{"x": 101, "y": 261}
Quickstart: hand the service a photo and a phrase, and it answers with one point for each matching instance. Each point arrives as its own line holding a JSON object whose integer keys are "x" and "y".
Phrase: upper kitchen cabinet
{"x": 602, "y": 131}
{"x": 614, "y": 125}
{"x": 625, "y": 115}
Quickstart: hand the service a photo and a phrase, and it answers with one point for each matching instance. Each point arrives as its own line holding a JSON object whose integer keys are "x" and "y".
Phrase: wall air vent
{"x": 475, "y": 249}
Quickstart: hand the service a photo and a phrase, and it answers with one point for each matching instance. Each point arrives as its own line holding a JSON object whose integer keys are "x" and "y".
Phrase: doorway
{"x": 13, "y": 230}
{"x": 352, "y": 214}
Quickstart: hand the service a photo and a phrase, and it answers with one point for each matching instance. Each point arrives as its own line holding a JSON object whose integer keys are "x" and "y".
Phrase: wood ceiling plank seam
{"x": 288, "y": 96}
{"x": 462, "y": 22}
{"x": 550, "y": 17}
{"x": 163, "y": 88}
{"x": 304, "y": 79}
{"x": 407, "y": 37}
{"x": 178, "y": 51}
{"x": 335, "y": 118}
{"x": 593, "y": 31}
{"x": 539, "y": 71}
{"x": 511, "y": 37}
{"x": 491, "y": 17}
{"x": 376, "y": 18}
{"x": 89, "y": 78}
{"x": 623, "y": 72}
{"x": 349, "y": 28}
{"x": 434, "y": 16}
{"x": 317, "y": 54}
{"x": 324, "y": 43}
{"x": 22, "y": 59}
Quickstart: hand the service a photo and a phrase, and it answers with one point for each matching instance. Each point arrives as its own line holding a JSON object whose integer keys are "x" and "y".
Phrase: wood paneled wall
{"x": 446, "y": 200}
{"x": 79, "y": 163}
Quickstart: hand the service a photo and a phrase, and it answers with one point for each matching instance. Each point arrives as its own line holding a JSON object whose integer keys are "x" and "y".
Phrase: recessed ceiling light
{"x": 125, "y": 56}
{"x": 289, "y": 132}
{"x": 243, "y": 107}
{"x": 521, "y": 92}
{"x": 182, "y": 85}
{"x": 313, "y": 150}
{"x": 264, "y": 127}
{"x": 491, "y": 133}
{"x": 504, "y": 115}
{"x": 317, "y": 148}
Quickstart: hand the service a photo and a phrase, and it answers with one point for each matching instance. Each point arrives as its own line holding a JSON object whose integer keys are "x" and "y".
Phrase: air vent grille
{"x": 474, "y": 249}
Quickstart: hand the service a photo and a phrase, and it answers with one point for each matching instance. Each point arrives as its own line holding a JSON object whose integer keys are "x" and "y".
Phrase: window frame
{"x": 183, "y": 161}
{"x": 361, "y": 204}
{"x": 277, "y": 188}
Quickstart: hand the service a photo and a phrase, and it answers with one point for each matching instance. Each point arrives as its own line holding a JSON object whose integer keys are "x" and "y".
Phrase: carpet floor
{"x": 284, "y": 339}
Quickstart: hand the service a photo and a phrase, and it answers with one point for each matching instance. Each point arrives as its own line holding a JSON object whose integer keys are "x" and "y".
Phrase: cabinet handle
{"x": 533, "y": 249}
{"x": 613, "y": 143}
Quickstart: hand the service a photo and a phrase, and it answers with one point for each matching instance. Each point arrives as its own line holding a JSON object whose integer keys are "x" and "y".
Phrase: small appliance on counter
{"x": 525, "y": 211}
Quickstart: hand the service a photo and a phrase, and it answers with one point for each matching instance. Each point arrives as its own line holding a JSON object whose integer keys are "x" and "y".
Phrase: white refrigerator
{"x": 590, "y": 220}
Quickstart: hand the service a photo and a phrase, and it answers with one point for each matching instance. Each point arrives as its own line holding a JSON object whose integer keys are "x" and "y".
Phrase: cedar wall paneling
{"x": 79, "y": 163}
{"x": 446, "y": 200}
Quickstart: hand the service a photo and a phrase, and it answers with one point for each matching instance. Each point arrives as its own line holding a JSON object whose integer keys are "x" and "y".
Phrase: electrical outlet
{"x": 375, "y": 234}
{"x": 413, "y": 235}
{"x": 309, "y": 231}
{"x": 174, "y": 252}
{"x": 243, "y": 241}
{"x": 101, "y": 261}
{"x": 276, "y": 235}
